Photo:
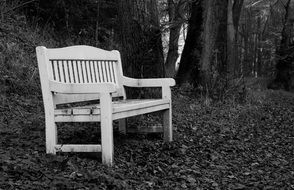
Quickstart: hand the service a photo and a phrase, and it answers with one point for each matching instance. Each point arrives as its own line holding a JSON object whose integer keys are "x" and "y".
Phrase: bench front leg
{"x": 167, "y": 116}
{"x": 106, "y": 129}
{"x": 50, "y": 129}
{"x": 51, "y": 134}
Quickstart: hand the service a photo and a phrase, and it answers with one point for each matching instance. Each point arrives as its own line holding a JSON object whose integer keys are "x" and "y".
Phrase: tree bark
{"x": 140, "y": 38}
{"x": 214, "y": 43}
{"x": 192, "y": 49}
{"x": 221, "y": 39}
{"x": 233, "y": 16}
{"x": 285, "y": 66}
{"x": 204, "y": 52}
{"x": 209, "y": 33}
{"x": 231, "y": 51}
{"x": 237, "y": 7}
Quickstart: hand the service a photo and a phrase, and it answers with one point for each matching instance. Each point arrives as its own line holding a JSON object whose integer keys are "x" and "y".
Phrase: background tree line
{"x": 225, "y": 40}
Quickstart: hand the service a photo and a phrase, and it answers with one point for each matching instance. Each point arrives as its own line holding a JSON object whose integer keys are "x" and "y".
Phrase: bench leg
{"x": 51, "y": 136}
{"x": 167, "y": 116}
{"x": 122, "y": 126}
{"x": 106, "y": 129}
{"x": 167, "y": 125}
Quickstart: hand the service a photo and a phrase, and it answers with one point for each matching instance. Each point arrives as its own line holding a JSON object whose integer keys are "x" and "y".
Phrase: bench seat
{"x": 120, "y": 109}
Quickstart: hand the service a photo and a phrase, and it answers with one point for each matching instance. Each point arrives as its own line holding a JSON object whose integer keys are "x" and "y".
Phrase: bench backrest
{"x": 79, "y": 64}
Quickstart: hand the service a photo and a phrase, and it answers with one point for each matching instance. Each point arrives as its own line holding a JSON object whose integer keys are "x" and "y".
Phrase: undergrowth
{"x": 17, "y": 54}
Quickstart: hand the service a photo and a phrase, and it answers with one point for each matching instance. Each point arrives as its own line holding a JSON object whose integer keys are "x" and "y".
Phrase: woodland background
{"x": 224, "y": 40}
{"x": 233, "y": 106}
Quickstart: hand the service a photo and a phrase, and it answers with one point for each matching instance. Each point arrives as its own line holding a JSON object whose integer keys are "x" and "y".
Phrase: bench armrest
{"x": 152, "y": 82}
{"x": 82, "y": 88}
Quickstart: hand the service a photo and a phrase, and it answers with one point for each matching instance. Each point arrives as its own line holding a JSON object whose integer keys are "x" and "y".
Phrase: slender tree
{"x": 233, "y": 16}
{"x": 175, "y": 12}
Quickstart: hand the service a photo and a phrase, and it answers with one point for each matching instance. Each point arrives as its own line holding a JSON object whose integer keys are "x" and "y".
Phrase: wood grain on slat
{"x": 75, "y": 71}
{"x": 53, "y": 72}
{"x": 61, "y": 72}
{"x": 57, "y": 78}
{"x": 92, "y": 72}
{"x": 100, "y": 71}
{"x": 84, "y": 71}
{"x": 107, "y": 67}
{"x": 66, "y": 74}
{"x": 110, "y": 65}
{"x": 113, "y": 67}
{"x": 96, "y": 70}
{"x": 80, "y": 72}
{"x": 108, "y": 71}
{"x": 88, "y": 72}
{"x": 70, "y": 70}
{"x": 104, "y": 71}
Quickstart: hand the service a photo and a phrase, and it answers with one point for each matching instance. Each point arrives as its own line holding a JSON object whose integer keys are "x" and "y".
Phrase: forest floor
{"x": 218, "y": 146}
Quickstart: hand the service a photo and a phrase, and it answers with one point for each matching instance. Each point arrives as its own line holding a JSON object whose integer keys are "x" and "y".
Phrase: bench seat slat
{"x": 118, "y": 106}
{"x": 81, "y": 115}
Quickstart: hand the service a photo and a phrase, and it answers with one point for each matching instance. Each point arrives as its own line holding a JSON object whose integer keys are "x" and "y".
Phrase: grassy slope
{"x": 221, "y": 146}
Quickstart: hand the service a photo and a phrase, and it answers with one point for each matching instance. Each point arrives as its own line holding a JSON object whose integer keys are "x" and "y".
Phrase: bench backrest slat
{"x": 82, "y": 64}
{"x": 84, "y": 71}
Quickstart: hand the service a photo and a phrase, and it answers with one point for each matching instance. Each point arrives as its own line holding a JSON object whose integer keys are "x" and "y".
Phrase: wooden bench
{"x": 84, "y": 73}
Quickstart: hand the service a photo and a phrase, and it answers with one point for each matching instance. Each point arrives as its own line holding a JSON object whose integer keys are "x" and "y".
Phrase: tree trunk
{"x": 237, "y": 7}
{"x": 140, "y": 38}
{"x": 233, "y": 16}
{"x": 231, "y": 51}
{"x": 204, "y": 52}
{"x": 209, "y": 33}
{"x": 174, "y": 34}
{"x": 221, "y": 40}
{"x": 285, "y": 65}
{"x": 192, "y": 49}
{"x": 214, "y": 46}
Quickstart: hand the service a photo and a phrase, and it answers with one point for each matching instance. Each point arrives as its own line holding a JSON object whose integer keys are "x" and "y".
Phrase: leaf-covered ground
{"x": 220, "y": 146}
